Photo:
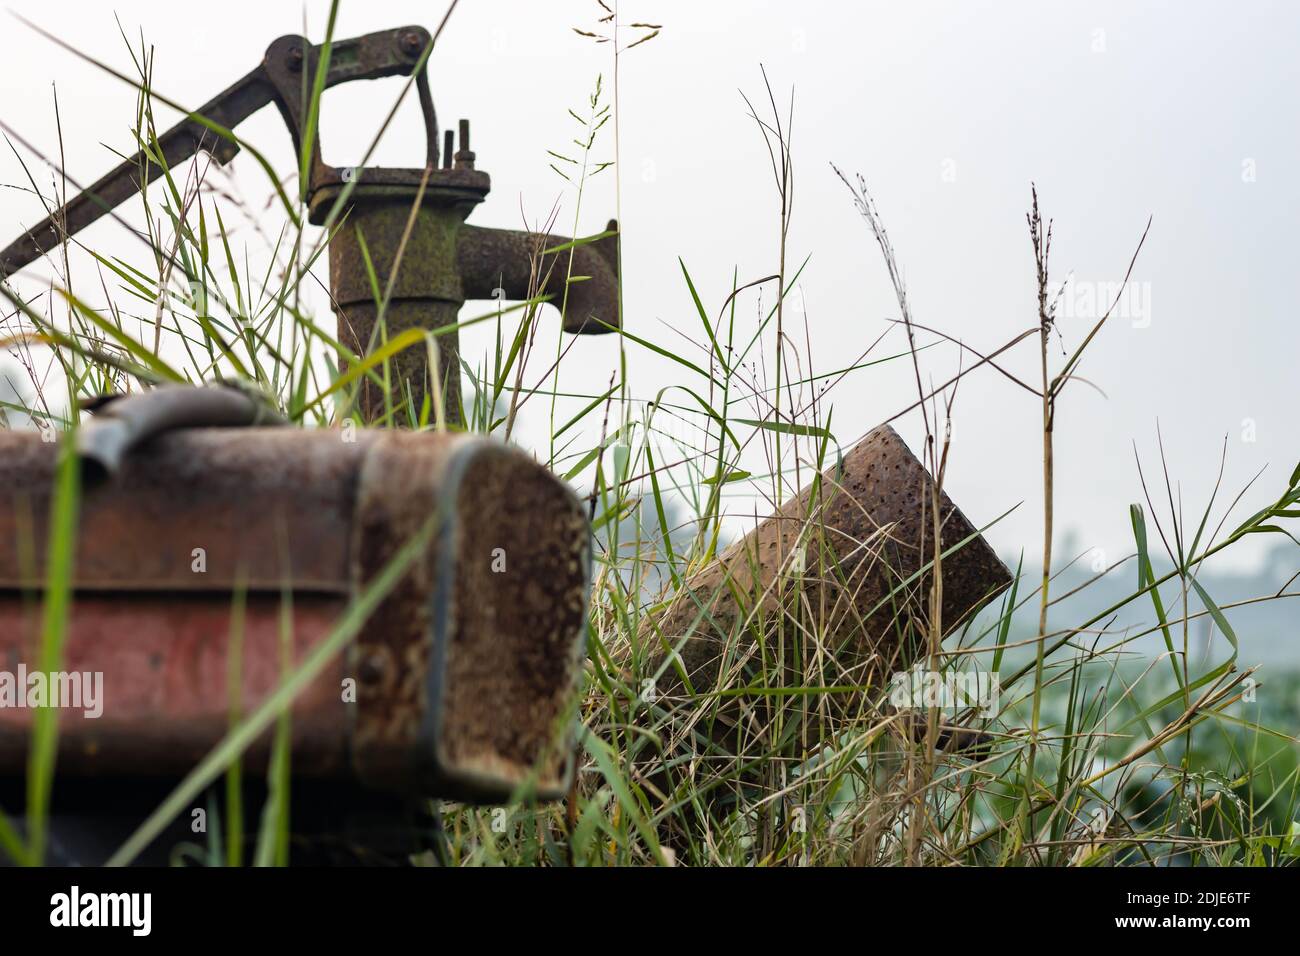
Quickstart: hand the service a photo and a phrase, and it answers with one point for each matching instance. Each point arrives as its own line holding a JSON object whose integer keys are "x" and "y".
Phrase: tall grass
{"x": 1090, "y": 759}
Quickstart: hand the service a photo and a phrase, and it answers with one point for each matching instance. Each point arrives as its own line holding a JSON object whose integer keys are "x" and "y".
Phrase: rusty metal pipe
{"x": 844, "y": 561}
{"x": 492, "y": 259}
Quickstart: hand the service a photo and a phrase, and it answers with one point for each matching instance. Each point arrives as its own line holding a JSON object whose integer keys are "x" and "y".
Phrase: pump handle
{"x": 285, "y": 77}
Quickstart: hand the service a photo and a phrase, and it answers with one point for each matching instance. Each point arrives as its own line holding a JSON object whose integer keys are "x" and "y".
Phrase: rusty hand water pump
{"x": 432, "y": 259}
{"x": 216, "y": 548}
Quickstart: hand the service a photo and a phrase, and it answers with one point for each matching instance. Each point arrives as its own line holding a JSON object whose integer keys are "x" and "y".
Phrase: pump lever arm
{"x": 279, "y": 79}
{"x": 176, "y": 145}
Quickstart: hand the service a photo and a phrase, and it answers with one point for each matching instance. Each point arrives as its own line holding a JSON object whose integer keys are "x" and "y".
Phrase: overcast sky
{"x": 1118, "y": 111}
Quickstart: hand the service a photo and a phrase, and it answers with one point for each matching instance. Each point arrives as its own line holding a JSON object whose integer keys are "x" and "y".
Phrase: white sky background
{"x": 1183, "y": 111}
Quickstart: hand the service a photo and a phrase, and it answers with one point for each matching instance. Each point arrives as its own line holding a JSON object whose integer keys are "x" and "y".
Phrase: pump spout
{"x": 502, "y": 259}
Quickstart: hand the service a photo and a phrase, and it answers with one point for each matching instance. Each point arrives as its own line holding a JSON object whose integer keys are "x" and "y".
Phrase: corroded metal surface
{"x": 194, "y": 516}
{"x": 164, "y": 694}
{"x": 491, "y": 259}
{"x": 269, "y": 507}
{"x": 409, "y": 370}
{"x": 512, "y": 662}
{"x": 844, "y": 565}
{"x": 413, "y": 261}
{"x": 506, "y": 583}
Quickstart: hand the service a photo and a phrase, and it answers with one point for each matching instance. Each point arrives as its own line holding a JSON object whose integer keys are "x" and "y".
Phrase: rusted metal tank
{"x": 464, "y": 677}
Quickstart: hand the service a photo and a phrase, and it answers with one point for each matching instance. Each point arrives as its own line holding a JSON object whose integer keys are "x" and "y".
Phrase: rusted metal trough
{"x": 460, "y": 685}
{"x": 408, "y": 222}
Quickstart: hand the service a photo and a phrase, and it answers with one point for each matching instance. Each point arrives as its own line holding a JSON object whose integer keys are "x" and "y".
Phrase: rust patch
{"x": 165, "y": 660}
{"x": 476, "y": 704}
{"x": 193, "y": 489}
{"x": 513, "y": 658}
{"x": 401, "y": 481}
